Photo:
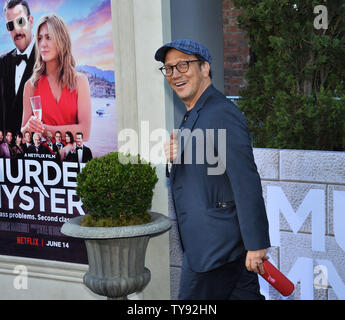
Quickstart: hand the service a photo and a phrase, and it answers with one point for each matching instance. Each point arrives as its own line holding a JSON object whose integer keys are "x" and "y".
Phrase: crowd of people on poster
{"x": 21, "y": 146}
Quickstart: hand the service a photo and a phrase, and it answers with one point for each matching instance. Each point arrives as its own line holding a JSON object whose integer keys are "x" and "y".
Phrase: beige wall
{"x": 49, "y": 280}
{"x": 144, "y": 103}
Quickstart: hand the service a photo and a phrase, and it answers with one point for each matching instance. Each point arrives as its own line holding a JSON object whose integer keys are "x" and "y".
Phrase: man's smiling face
{"x": 21, "y": 36}
{"x": 189, "y": 85}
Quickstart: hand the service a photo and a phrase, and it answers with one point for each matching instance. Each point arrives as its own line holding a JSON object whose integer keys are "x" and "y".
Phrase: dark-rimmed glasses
{"x": 20, "y": 22}
{"x": 181, "y": 67}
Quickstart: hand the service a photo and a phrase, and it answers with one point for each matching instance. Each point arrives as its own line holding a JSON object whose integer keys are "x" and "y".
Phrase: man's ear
{"x": 205, "y": 69}
{"x": 31, "y": 21}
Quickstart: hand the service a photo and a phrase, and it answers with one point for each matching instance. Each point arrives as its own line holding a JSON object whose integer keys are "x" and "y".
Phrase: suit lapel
{"x": 189, "y": 125}
{"x": 9, "y": 93}
{"x": 186, "y": 132}
{"x": 28, "y": 70}
{"x": 193, "y": 116}
{"x": 12, "y": 74}
{"x": 83, "y": 155}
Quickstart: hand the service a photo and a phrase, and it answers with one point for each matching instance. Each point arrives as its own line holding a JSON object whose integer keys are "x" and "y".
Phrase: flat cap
{"x": 186, "y": 46}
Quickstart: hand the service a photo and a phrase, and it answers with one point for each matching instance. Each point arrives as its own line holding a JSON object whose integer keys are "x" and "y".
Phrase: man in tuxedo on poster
{"x": 58, "y": 142}
{"x": 38, "y": 147}
{"x": 49, "y": 143}
{"x": 6, "y": 150}
{"x": 16, "y": 66}
{"x": 81, "y": 153}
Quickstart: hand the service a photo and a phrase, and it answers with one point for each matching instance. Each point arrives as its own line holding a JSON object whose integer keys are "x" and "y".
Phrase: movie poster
{"x": 37, "y": 188}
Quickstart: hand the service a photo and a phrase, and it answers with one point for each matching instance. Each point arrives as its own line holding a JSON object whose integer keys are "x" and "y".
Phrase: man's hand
{"x": 171, "y": 148}
{"x": 254, "y": 260}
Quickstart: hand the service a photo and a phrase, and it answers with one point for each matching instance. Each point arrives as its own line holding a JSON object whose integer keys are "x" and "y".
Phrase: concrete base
{"x": 35, "y": 279}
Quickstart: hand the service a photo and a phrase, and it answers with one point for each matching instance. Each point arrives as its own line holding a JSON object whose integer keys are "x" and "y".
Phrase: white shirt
{"x": 59, "y": 145}
{"x": 21, "y": 68}
{"x": 80, "y": 154}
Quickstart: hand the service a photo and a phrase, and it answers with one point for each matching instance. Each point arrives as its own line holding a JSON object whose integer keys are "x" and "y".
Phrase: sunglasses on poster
{"x": 20, "y": 22}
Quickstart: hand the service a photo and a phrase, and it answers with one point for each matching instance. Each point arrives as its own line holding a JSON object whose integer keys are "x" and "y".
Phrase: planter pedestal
{"x": 116, "y": 255}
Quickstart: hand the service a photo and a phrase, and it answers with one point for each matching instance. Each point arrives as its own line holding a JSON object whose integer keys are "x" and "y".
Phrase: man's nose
{"x": 175, "y": 73}
{"x": 17, "y": 27}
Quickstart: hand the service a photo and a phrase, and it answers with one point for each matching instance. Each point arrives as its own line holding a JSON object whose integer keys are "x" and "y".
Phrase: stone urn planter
{"x": 117, "y": 191}
{"x": 116, "y": 255}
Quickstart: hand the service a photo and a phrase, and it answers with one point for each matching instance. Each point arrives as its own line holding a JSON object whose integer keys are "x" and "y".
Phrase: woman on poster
{"x": 18, "y": 148}
{"x": 64, "y": 92}
{"x": 69, "y": 147}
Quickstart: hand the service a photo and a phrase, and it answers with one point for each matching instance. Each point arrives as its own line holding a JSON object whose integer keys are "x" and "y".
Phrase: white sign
{"x": 312, "y": 274}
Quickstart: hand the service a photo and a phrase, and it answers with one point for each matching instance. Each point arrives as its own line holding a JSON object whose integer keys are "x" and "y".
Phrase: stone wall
{"x": 304, "y": 193}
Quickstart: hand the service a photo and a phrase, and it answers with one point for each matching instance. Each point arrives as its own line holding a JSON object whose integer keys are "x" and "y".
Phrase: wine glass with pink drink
{"x": 36, "y": 107}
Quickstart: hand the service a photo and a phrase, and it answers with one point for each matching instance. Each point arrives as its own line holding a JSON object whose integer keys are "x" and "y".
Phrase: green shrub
{"x": 116, "y": 189}
{"x": 295, "y": 97}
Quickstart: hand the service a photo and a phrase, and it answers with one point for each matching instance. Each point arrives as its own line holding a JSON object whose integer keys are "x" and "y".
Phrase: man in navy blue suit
{"x": 219, "y": 207}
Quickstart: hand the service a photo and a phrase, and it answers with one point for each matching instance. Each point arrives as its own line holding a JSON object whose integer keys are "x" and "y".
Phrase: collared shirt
{"x": 21, "y": 68}
{"x": 185, "y": 118}
{"x": 80, "y": 153}
{"x": 59, "y": 145}
{"x": 169, "y": 164}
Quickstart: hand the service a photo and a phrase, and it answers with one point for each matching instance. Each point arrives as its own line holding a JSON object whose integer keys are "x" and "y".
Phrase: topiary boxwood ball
{"x": 116, "y": 190}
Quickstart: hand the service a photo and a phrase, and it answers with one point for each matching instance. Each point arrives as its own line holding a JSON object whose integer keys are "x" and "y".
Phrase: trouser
{"x": 231, "y": 281}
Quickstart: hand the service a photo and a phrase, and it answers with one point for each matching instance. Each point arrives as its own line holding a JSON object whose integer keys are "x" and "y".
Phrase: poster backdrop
{"x": 38, "y": 191}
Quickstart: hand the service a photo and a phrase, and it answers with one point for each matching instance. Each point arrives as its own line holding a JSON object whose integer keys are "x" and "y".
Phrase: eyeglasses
{"x": 181, "y": 67}
{"x": 20, "y": 23}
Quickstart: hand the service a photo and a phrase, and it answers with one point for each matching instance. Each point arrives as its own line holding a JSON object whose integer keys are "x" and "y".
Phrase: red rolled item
{"x": 275, "y": 278}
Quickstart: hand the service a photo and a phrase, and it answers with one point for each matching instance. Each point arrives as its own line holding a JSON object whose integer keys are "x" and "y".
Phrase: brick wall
{"x": 236, "y": 51}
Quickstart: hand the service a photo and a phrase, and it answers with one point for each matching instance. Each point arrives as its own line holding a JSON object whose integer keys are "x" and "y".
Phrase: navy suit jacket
{"x": 211, "y": 236}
